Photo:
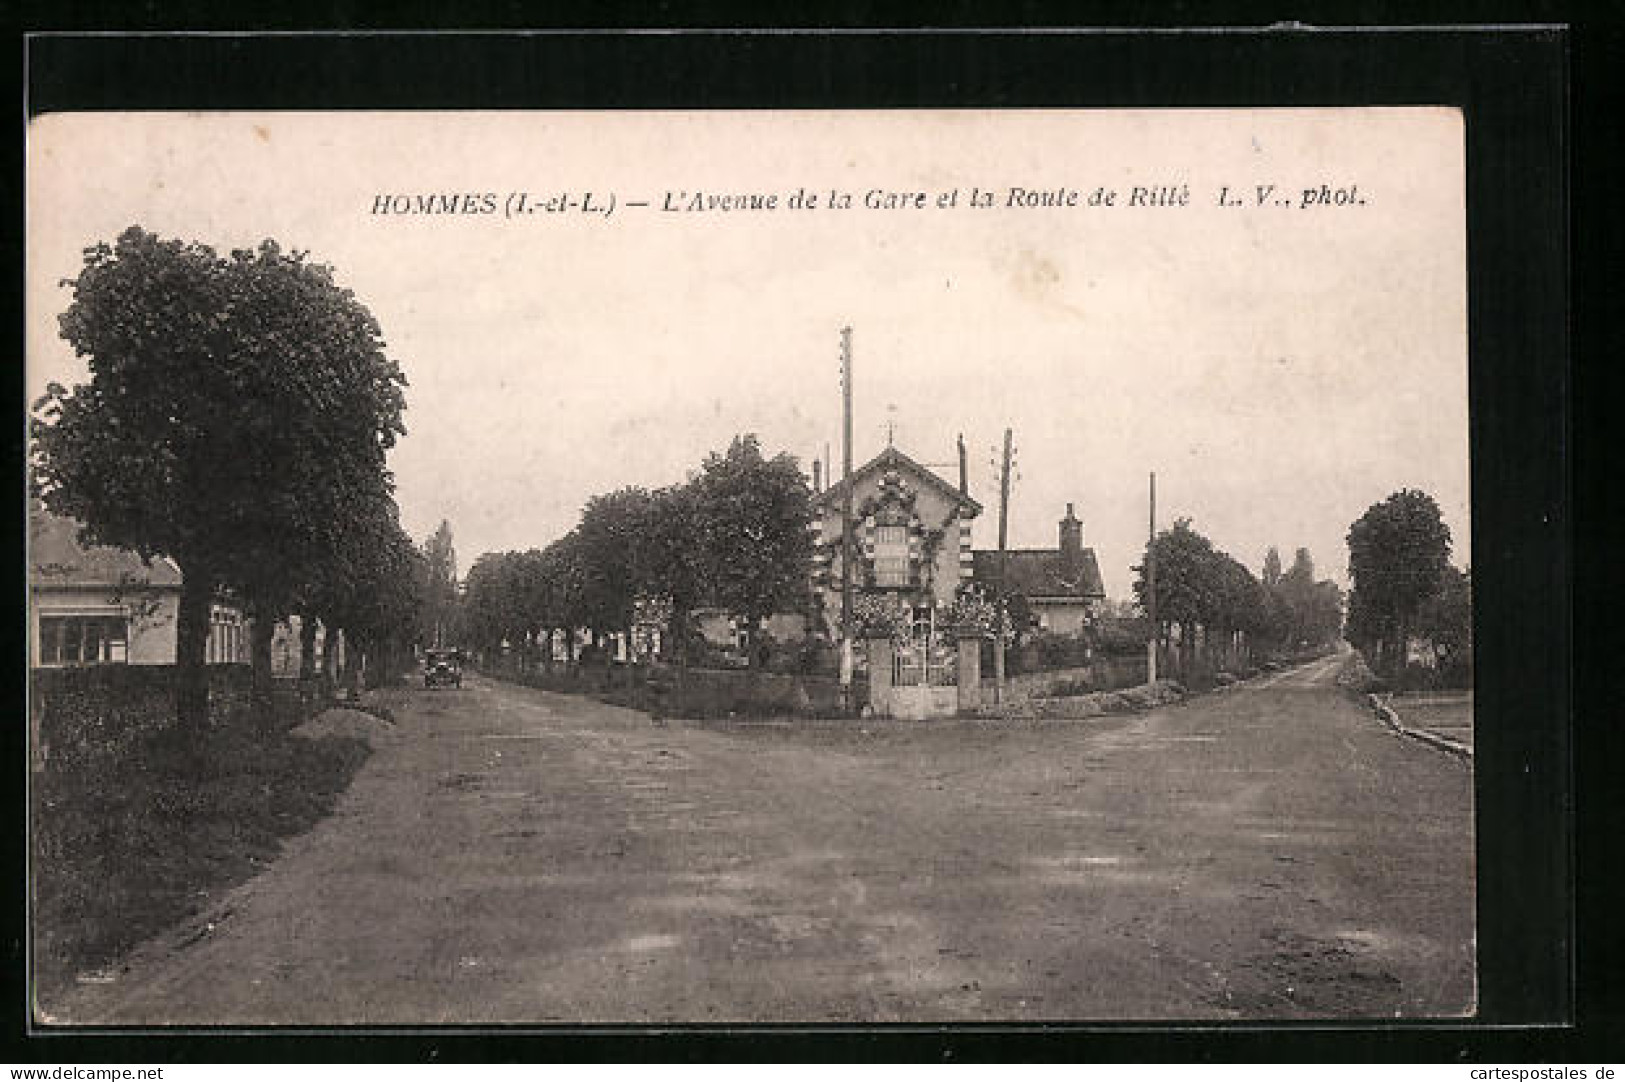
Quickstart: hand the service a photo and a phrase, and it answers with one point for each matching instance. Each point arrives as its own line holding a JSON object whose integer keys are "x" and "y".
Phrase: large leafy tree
{"x": 1188, "y": 583}
{"x": 565, "y": 571}
{"x": 672, "y": 561}
{"x": 236, "y": 419}
{"x": 532, "y": 602}
{"x": 753, "y": 517}
{"x": 339, "y": 589}
{"x": 1399, "y": 551}
{"x": 1304, "y": 615}
{"x": 382, "y": 606}
{"x": 1446, "y": 619}
{"x": 491, "y": 603}
{"x": 1240, "y": 610}
{"x": 609, "y": 541}
{"x": 1323, "y": 620}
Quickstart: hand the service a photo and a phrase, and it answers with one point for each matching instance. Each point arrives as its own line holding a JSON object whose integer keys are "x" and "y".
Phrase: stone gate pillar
{"x": 880, "y": 662}
{"x": 970, "y": 672}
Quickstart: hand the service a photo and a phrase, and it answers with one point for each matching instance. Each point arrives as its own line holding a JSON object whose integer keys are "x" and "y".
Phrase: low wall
{"x": 1102, "y": 674}
{"x": 706, "y": 692}
{"x": 797, "y": 694}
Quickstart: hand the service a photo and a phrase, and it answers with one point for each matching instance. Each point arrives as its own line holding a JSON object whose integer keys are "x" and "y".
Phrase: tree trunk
{"x": 259, "y": 656}
{"x": 682, "y": 683}
{"x": 999, "y": 659}
{"x": 191, "y": 651}
{"x": 355, "y": 659}
{"x": 307, "y": 648}
{"x": 753, "y": 649}
{"x": 679, "y": 646}
{"x": 330, "y": 651}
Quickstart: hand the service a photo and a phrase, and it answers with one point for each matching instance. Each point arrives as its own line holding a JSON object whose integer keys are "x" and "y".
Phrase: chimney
{"x": 964, "y": 484}
{"x": 818, "y": 477}
{"x": 1071, "y": 543}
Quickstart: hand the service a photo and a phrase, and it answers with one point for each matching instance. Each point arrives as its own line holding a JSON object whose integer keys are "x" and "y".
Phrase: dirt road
{"x": 1270, "y": 851}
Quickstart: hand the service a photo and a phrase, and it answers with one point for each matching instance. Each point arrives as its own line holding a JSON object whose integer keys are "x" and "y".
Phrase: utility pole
{"x": 1004, "y": 522}
{"x": 1151, "y": 587}
{"x": 846, "y": 521}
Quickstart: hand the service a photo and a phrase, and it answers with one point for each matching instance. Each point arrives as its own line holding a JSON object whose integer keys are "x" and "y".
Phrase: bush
{"x": 1064, "y": 688}
{"x": 1062, "y": 651}
{"x": 129, "y": 845}
{"x": 1427, "y": 678}
{"x": 798, "y": 657}
{"x": 1121, "y": 638}
{"x": 1090, "y": 705}
{"x": 706, "y": 654}
{"x": 98, "y": 712}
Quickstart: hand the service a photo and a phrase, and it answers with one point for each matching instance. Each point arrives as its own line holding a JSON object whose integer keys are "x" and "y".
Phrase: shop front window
{"x": 84, "y": 640}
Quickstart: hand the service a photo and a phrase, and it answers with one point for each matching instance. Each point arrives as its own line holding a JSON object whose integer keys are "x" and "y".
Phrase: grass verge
{"x": 126, "y": 845}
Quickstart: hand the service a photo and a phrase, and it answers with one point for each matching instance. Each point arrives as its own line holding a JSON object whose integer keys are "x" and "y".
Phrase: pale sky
{"x": 1279, "y": 368}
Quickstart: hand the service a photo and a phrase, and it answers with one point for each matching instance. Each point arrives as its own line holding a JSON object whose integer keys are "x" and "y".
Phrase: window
{"x": 891, "y": 555}
{"x": 224, "y": 644}
{"x": 83, "y": 640}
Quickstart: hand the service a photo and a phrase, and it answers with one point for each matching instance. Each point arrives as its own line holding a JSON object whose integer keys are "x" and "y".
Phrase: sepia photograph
{"x": 728, "y": 567}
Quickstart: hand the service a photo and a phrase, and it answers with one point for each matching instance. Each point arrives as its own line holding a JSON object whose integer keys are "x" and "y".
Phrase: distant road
{"x": 1270, "y": 851}
{"x": 1315, "y": 674}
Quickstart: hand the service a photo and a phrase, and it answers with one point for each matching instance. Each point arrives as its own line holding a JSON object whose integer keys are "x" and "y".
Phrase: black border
{"x": 1513, "y": 86}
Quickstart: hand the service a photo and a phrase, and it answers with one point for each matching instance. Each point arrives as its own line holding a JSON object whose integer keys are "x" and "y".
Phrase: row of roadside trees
{"x": 236, "y": 420}
{"x": 1405, "y": 596}
{"x": 1212, "y": 610}
{"x": 735, "y": 536}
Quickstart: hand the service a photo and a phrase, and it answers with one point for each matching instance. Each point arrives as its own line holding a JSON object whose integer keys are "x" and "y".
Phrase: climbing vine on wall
{"x": 896, "y": 505}
{"x": 882, "y": 616}
{"x": 931, "y": 544}
{"x": 973, "y": 612}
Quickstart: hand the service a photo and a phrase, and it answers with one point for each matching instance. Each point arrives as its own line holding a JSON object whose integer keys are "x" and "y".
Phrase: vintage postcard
{"x": 749, "y": 567}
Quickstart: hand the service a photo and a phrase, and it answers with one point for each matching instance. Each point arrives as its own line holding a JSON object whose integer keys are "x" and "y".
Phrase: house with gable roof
{"x": 912, "y": 532}
{"x": 1062, "y": 585}
{"x": 100, "y": 605}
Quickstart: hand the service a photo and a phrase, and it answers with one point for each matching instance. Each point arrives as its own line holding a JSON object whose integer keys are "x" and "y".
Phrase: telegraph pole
{"x": 846, "y": 520}
{"x": 1004, "y": 521}
{"x": 1151, "y": 587}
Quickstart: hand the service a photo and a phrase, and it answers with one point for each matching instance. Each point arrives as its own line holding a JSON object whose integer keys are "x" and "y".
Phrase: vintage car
{"x": 442, "y": 667}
